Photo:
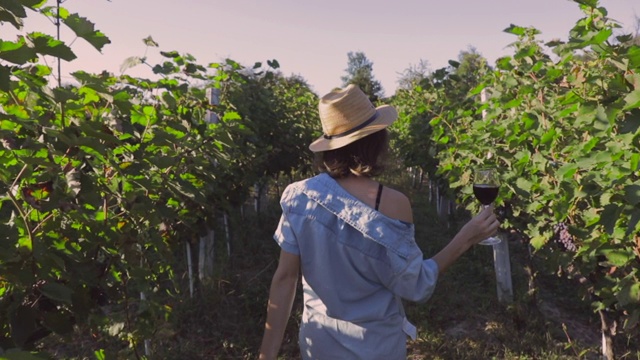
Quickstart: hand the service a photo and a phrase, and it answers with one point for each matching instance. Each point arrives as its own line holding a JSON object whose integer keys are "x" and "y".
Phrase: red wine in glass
{"x": 485, "y": 193}
{"x": 485, "y": 189}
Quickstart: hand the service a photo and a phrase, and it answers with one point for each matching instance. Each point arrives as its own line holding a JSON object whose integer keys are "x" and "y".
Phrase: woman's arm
{"x": 480, "y": 227}
{"x": 281, "y": 295}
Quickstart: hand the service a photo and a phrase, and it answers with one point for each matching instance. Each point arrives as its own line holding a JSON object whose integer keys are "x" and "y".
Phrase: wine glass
{"x": 485, "y": 189}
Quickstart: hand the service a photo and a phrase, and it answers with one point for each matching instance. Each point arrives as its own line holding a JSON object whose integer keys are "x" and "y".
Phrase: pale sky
{"x": 312, "y": 38}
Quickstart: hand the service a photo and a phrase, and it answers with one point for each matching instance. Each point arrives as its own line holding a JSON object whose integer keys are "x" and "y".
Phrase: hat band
{"x": 351, "y": 131}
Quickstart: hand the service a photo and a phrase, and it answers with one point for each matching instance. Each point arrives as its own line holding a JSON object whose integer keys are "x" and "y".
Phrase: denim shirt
{"x": 356, "y": 265}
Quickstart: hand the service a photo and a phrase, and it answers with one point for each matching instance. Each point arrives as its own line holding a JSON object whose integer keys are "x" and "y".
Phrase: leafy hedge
{"x": 103, "y": 180}
{"x": 564, "y": 130}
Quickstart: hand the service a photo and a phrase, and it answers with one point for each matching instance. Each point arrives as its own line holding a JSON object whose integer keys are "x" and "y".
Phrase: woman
{"x": 353, "y": 240}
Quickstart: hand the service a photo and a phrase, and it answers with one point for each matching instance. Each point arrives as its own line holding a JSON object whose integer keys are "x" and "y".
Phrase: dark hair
{"x": 363, "y": 157}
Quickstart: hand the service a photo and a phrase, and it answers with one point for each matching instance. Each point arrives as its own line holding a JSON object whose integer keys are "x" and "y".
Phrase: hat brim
{"x": 386, "y": 116}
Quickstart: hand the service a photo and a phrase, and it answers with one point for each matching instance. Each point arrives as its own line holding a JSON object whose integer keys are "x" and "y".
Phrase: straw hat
{"x": 348, "y": 115}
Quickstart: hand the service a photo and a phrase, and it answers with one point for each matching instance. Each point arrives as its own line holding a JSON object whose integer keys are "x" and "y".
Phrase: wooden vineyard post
{"x": 206, "y": 247}
{"x": 190, "y": 268}
{"x": 501, "y": 258}
{"x": 205, "y": 257}
{"x": 502, "y": 266}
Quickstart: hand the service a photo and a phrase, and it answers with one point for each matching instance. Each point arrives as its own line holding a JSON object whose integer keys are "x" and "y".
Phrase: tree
{"x": 360, "y": 72}
{"x": 413, "y": 75}
{"x": 468, "y": 70}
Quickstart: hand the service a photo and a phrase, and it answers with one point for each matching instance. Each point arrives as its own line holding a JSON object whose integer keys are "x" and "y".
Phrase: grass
{"x": 463, "y": 319}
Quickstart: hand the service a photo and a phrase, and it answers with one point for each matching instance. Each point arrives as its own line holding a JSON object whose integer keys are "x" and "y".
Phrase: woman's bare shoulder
{"x": 396, "y": 204}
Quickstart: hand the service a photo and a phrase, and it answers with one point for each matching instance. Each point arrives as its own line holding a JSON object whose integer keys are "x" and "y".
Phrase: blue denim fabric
{"x": 356, "y": 265}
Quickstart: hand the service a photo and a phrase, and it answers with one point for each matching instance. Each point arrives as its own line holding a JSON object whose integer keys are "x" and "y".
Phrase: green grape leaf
{"x": 600, "y": 37}
{"x": 85, "y": 29}
{"x": 57, "y": 292}
{"x": 632, "y": 194}
{"x": 47, "y": 45}
{"x": 515, "y": 30}
{"x": 17, "y": 52}
{"x": 23, "y": 324}
{"x": 618, "y": 257}
{"x": 566, "y": 171}
{"x": 273, "y": 63}
{"x": 548, "y": 136}
{"x": 632, "y": 100}
{"x": 634, "y": 56}
{"x": 13, "y": 7}
{"x": 524, "y": 184}
{"x": 609, "y": 216}
{"x": 130, "y": 62}
{"x": 539, "y": 241}
{"x": 633, "y": 222}
{"x": 11, "y": 17}
{"x": 635, "y": 160}
{"x": 170, "y": 54}
{"x": 5, "y": 78}
{"x": 150, "y": 42}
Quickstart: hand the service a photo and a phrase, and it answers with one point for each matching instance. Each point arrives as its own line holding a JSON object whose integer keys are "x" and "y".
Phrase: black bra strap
{"x": 379, "y": 196}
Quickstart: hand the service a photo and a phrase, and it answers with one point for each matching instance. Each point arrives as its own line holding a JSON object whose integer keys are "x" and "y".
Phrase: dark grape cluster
{"x": 563, "y": 238}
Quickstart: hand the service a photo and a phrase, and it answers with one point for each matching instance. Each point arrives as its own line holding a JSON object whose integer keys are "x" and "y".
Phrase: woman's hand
{"x": 482, "y": 226}
{"x": 281, "y": 296}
